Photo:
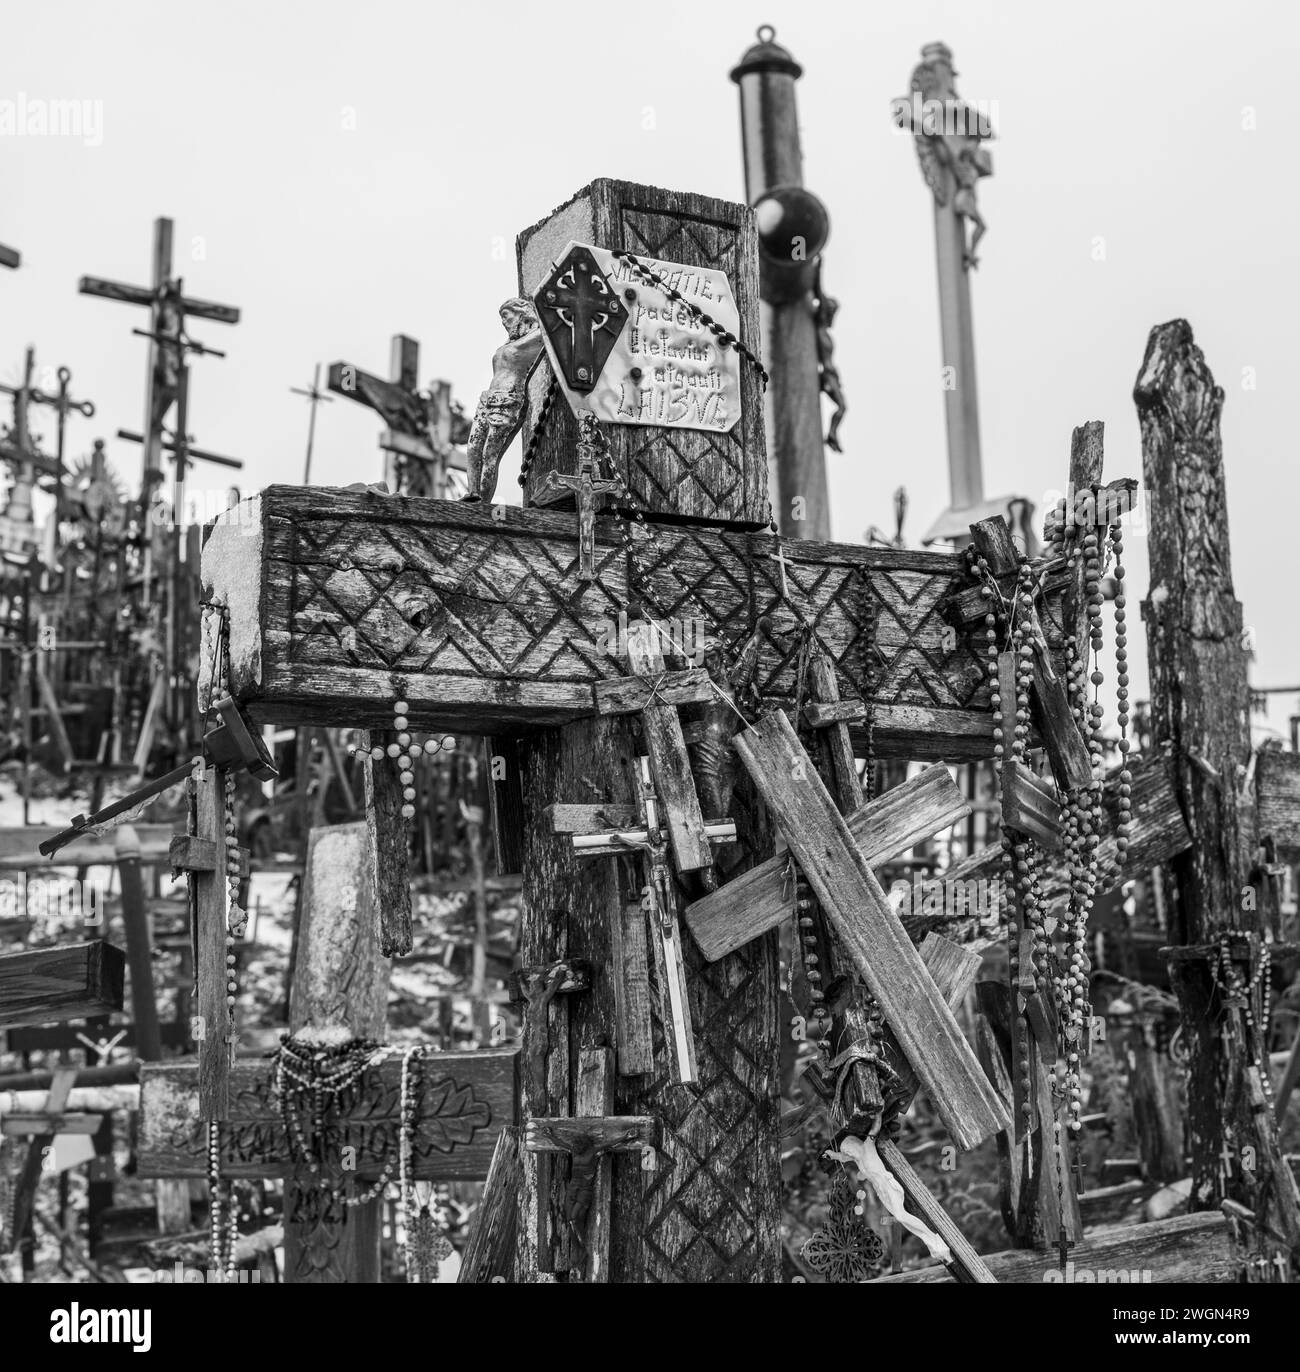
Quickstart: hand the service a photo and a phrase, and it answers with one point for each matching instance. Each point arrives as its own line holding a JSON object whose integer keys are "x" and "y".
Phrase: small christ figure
{"x": 500, "y": 410}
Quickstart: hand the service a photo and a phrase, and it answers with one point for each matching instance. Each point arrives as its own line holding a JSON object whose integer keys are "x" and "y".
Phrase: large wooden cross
{"x": 168, "y": 310}
{"x": 340, "y": 986}
{"x": 480, "y": 619}
{"x": 423, "y": 427}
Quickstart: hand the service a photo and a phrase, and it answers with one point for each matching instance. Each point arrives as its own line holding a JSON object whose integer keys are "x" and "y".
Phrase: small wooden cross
{"x": 586, "y": 487}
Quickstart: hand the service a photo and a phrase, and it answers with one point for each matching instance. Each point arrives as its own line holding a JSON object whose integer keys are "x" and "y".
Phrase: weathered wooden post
{"x": 1199, "y": 705}
{"x": 718, "y": 1152}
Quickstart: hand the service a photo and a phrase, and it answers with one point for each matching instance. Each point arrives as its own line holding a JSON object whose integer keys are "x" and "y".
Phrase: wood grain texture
{"x": 340, "y": 982}
{"x": 481, "y": 625}
{"x": 884, "y": 829}
{"x": 388, "y": 847}
{"x": 468, "y": 1099}
{"x": 209, "y": 899}
{"x": 670, "y": 767}
{"x": 490, "y": 1249}
{"x": 631, "y": 971}
{"x": 718, "y": 1152}
{"x": 630, "y": 695}
{"x": 953, "y": 968}
{"x": 76, "y": 981}
{"x": 870, "y": 931}
{"x": 1188, "y": 1248}
{"x": 689, "y": 473}
{"x": 834, "y": 730}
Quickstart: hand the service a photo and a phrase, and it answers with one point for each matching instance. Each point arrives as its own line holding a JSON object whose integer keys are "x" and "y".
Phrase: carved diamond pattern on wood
{"x": 834, "y": 606}
{"x": 700, "y": 1222}
{"x": 657, "y": 468}
{"x": 666, "y": 236}
{"x": 403, "y": 616}
{"x": 912, "y": 664}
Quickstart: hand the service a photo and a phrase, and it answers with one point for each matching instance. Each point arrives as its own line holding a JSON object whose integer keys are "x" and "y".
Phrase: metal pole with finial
{"x": 793, "y": 227}
{"x": 315, "y": 395}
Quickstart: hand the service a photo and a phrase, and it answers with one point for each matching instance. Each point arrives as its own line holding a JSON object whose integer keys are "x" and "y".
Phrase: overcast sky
{"x": 343, "y": 172}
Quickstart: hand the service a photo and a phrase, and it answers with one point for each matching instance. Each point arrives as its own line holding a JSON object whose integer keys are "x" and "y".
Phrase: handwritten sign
{"x": 666, "y": 368}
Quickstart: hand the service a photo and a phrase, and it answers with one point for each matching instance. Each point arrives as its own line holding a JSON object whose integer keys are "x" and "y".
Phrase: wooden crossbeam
{"x": 339, "y": 600}
{"x": 871, "y": 933}
{"x": 467, "y": 1099}
{"x": 661, "y": 731}
{"x": 76, "y": 981}
{"x": 883, "y": 829}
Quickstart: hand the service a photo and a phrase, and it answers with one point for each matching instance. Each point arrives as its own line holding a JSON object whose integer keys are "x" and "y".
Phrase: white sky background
{"x": 1116, "y": 119}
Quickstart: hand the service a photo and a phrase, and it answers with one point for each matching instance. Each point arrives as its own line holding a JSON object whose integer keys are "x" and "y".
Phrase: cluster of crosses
{"x": 635, "y": 1133}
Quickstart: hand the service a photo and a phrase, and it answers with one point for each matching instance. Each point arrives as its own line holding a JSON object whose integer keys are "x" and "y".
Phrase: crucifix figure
{"x": 586, "y": 487}
{"x": 419, "y": 439}
{"x": 169, "y": 307}
{"x": 500, "y": 409}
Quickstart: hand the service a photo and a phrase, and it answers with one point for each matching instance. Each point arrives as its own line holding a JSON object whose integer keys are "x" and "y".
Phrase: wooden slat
{"x": 590, "y": 819}
{"x": 1188, "y": 1248}
{"x": 953, "y": 969}
{"x": 870, "y": 931}
{"x": 630, "y": 695}
{"x": 826, "y": 695}
{"x": 390, "y": 864}
{"x": 670, "y": 767}
{"x": 490, "y": 1247}
{"x": 631, "y": 975}
{"x": 883, "y": 829}
{"x": 966, "y": 1262}
{"x": 821, "y": 714}
{"x": 76, "y": 981}
{"x": 468, "y": 1099}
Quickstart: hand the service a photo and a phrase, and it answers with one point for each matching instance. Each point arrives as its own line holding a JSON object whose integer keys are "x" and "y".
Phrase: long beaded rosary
{"x": 427, "y": 1245}
{"x": 221, "y": 1204}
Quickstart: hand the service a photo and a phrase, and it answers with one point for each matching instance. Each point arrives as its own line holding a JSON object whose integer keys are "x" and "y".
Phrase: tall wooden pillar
{"x": 340, "y": 984}
{"x": 1199, "y": 704}
{"x": 710, "y": 1209}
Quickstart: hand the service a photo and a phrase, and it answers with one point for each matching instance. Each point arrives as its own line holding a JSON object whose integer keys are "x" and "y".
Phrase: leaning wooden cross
{"x": 494, "y": 620}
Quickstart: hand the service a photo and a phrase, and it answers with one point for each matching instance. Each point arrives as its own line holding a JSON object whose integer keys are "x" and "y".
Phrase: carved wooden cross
{"x": 422, "y": 427}
{"x": 168, "y": 310}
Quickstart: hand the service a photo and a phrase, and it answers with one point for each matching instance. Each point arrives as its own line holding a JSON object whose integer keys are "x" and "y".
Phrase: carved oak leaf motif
{"x": 450, "y": 1116}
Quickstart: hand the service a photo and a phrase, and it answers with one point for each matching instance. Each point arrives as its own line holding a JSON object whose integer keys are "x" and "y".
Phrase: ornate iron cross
{"x": 582, "y": 316}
